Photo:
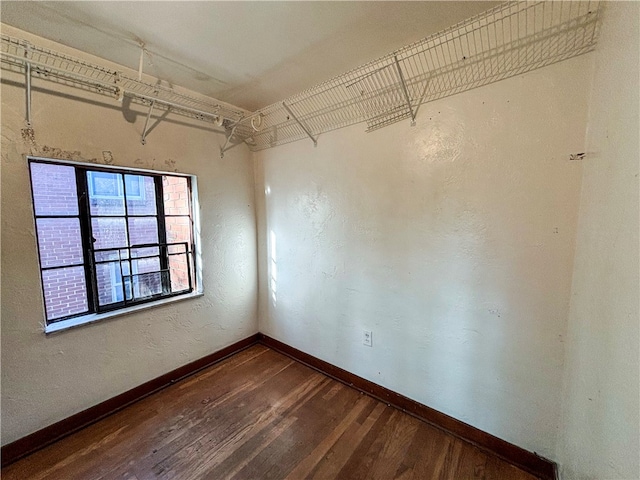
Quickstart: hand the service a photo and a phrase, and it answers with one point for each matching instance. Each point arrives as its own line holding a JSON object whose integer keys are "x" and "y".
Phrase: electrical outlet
{"x": 367, "y": 338}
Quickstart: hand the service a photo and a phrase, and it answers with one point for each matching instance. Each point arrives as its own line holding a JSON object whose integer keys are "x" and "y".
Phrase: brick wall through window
{"x": 118, "y": 211}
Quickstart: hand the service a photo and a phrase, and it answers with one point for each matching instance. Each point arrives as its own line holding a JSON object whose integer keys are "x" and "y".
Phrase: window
{"x": 110, "y": 238}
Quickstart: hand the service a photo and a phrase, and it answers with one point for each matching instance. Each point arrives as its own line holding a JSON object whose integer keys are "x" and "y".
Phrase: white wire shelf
{"x": 16, "y": 54}
{"x": 510, "y": 39}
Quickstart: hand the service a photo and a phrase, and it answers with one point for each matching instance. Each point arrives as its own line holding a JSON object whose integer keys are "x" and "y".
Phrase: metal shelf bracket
{"x": 143, "y": 140}
{"x": 224, "y": 148}
{"x": 286, "y": 107}
{"x": 405, "y": 91}
{"x": 27, "y": 50}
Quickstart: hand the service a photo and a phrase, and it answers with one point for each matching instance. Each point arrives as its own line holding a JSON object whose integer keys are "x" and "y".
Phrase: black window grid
{"x": 84, "y": 215}
{"x": 187, "y": 253}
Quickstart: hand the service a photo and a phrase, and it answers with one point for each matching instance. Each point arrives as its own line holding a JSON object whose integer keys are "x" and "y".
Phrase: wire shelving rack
{"x": 20, "y": 55}
{"x": 508, "y": 40}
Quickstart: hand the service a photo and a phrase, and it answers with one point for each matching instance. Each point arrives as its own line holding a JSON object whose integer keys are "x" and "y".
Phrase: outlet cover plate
{"x": 367, "y": 338}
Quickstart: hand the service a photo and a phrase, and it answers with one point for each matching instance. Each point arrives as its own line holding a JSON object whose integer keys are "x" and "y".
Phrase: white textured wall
{"x": 47, "y": 378}
{"x": 601, "y": 423}
{"x": 452, "y": 241}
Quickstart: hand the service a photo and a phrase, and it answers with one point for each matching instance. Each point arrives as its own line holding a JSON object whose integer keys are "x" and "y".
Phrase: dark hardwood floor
{"x": 261, "y": 415}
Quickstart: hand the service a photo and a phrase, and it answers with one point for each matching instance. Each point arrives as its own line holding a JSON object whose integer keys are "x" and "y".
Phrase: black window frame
{"x": 87, "y": 239}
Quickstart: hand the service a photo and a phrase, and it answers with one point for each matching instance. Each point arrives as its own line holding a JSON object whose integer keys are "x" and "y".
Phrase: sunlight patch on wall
{"x": 273, "y": 267}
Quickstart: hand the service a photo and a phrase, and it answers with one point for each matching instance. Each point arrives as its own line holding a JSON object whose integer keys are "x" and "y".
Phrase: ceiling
{"x": 249, "y": 54}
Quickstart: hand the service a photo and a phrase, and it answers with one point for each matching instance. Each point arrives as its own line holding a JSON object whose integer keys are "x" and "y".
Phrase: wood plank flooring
{"x": 261, "y": 415}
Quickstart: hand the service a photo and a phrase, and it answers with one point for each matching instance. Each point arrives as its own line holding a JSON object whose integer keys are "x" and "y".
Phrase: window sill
{"x": 96, "y": 317}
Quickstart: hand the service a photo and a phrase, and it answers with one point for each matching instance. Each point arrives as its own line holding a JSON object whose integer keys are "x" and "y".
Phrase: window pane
{"x": 143, "y": 230}
{"x": 146, "y": 265}
{"x": 145, "y": 252}
{"x": 176, "y": 195}
{"x": 110, "y": 282}
{"x": 65, "y": 292}
{"x": 178, "y": 229}
{"x": 59, "y": 241}
{"x": 54, "y": 189}
{"x": 109, "y": 233}
{"x": 126, "y": 278}
{"x": 147, "y": 284}
{"x": 179, "y": 273}
{"x": 106, "y": 193}
{"x": 141, "y": 195}
{"x": 111, "y": 255}
{"x": 179, "y": 248}
{"x": 147, "y": 279}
